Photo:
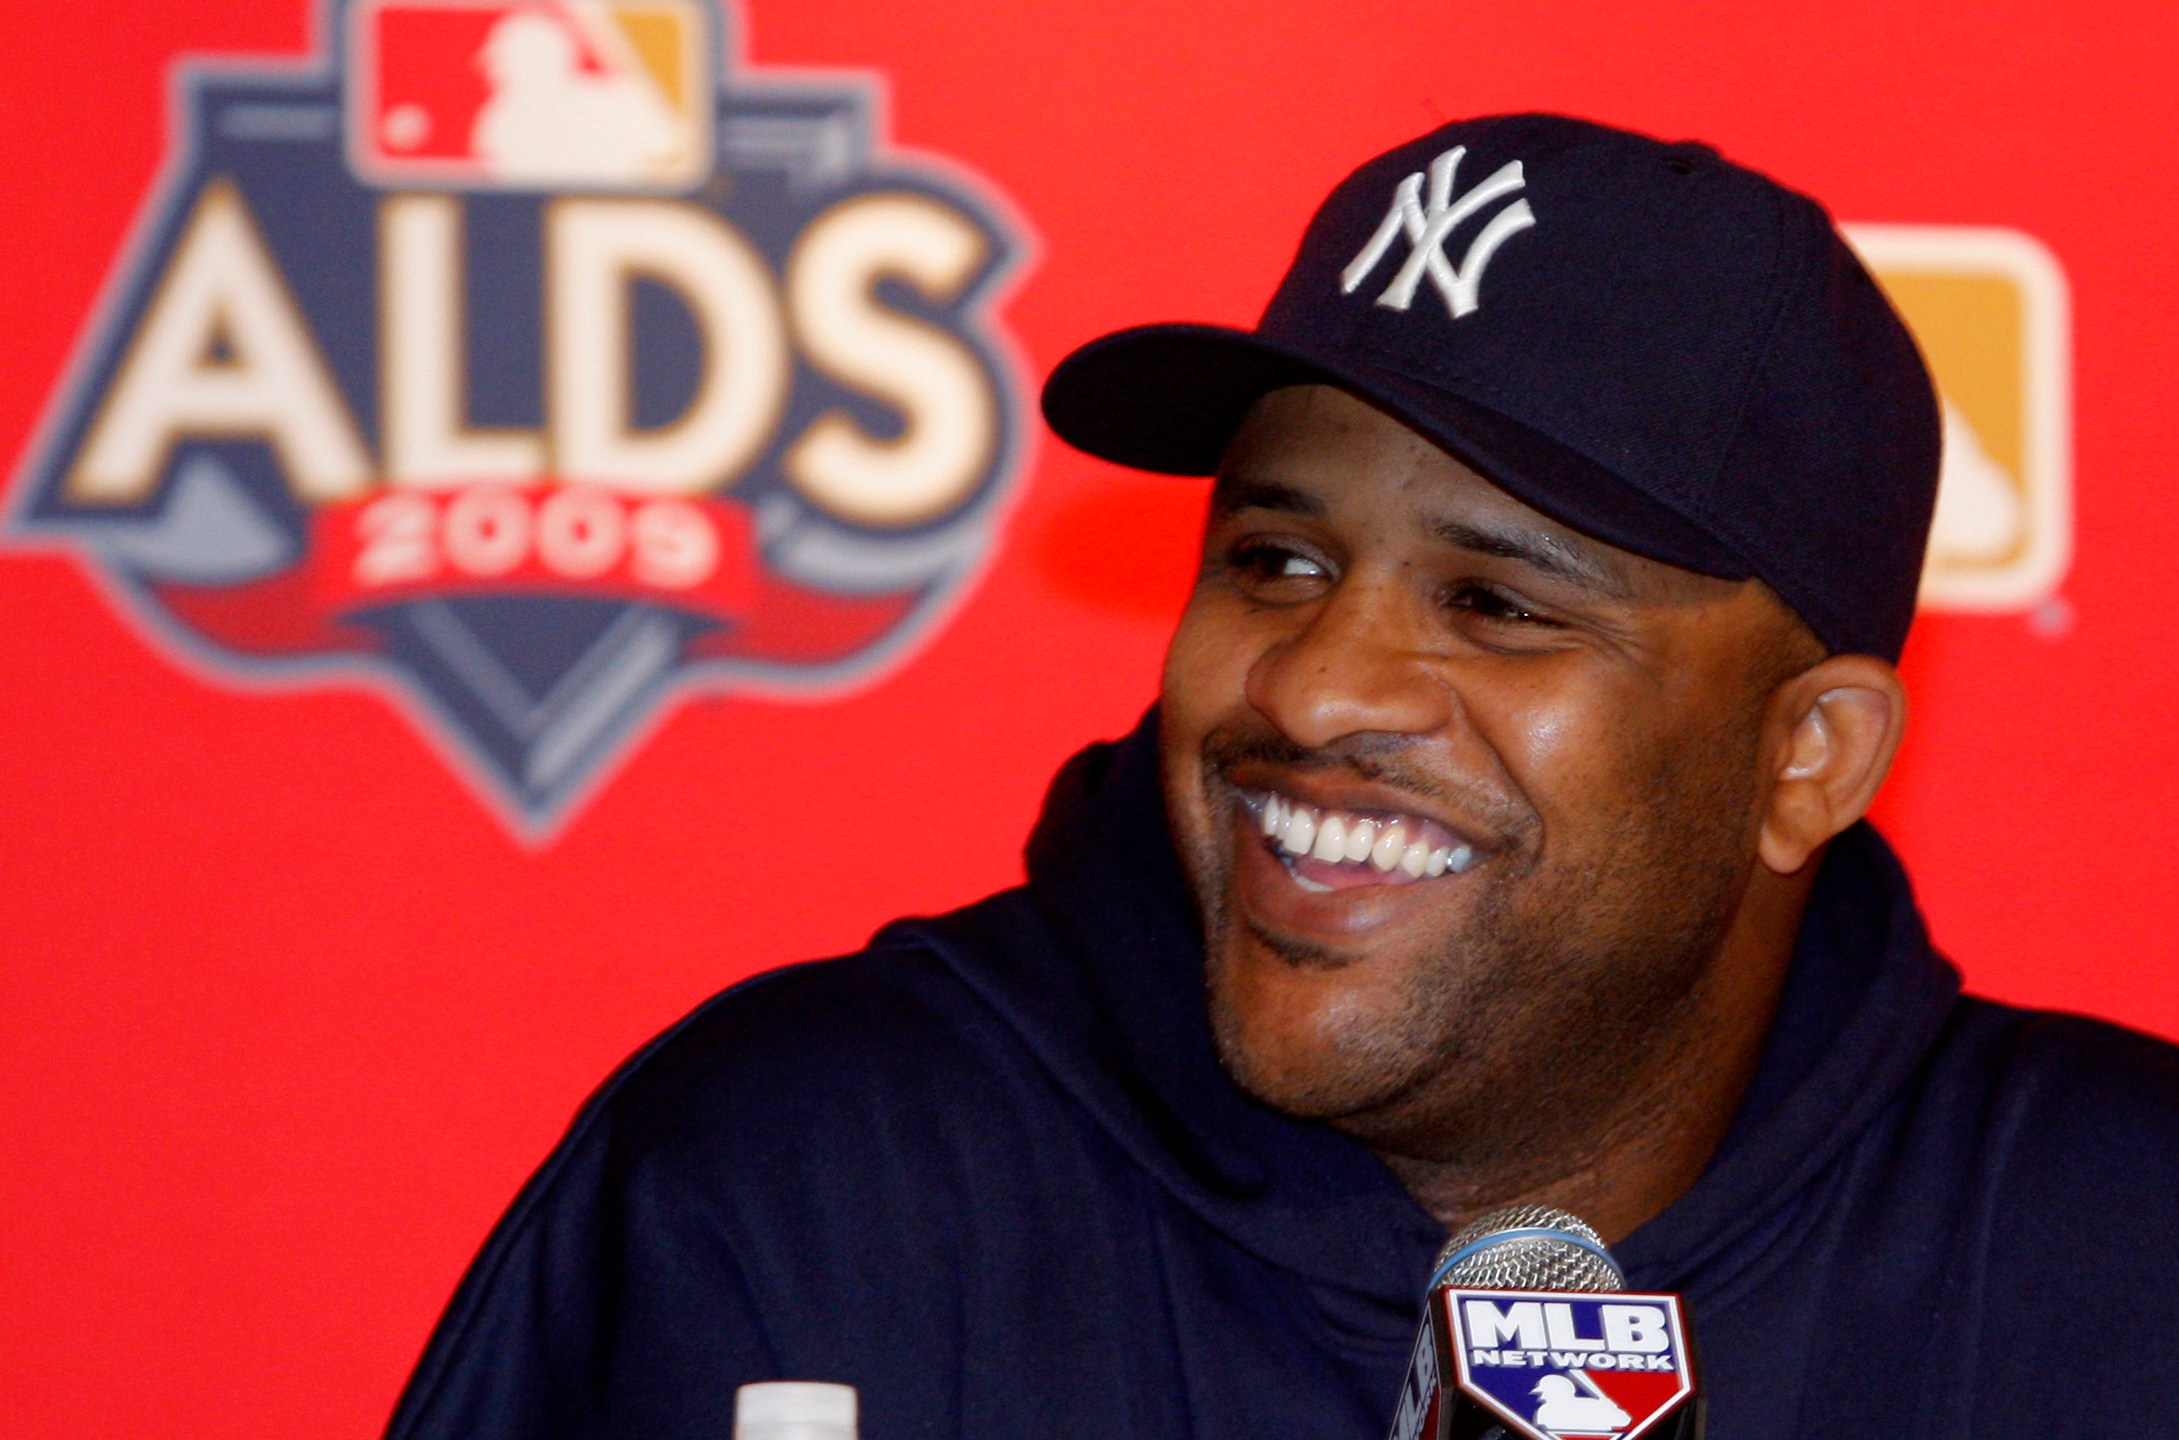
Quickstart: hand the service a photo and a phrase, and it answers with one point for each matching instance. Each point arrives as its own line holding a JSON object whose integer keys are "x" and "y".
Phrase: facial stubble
{"x": 1557, "y": 1017}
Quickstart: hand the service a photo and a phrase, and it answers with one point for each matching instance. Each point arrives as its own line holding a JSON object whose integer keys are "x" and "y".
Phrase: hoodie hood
{"x": 1098, "y": 964}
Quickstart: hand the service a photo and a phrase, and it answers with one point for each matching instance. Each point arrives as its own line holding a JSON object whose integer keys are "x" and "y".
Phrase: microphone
{"x": 1529, "y": 1333}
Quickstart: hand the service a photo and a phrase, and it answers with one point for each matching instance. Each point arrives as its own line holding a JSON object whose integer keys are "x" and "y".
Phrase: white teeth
{"x": 1386, "y": 852}
{"x": 1300, "y": 831}
{"x": 1310, "y": 885}
{"x": 1334, "y": 837}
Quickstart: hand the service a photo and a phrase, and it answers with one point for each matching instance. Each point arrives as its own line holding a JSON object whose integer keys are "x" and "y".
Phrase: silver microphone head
{"x": 1527, "y": 1247}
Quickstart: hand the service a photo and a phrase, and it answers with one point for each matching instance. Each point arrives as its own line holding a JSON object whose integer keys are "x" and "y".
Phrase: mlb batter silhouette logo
{"x": 530, "y": 365}
{"x": 1564, "y": 1409}
{"x": 485, "y": 93}
{"x": 1991, "y": 311}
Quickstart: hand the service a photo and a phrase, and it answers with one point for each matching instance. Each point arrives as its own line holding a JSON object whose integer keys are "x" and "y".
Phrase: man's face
{"x": 1467, "y": 799}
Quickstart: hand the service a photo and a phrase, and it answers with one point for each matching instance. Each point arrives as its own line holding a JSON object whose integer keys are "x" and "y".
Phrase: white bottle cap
{"x": 794, "y": 1410}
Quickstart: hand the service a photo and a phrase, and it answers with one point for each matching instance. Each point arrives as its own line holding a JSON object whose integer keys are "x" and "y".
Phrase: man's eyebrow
{"x": 1560, "y": 558}
{"x": 1233, "y": 492}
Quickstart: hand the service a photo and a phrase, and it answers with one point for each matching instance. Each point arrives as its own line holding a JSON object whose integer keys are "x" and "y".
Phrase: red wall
{"x": 288, "y": 1013}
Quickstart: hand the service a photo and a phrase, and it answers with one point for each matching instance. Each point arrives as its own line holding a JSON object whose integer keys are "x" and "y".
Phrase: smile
{"x": 1325, "y": 849}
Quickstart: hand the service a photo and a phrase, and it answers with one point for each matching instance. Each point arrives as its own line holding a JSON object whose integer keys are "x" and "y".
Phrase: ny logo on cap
{"x": 1429, "y": 227}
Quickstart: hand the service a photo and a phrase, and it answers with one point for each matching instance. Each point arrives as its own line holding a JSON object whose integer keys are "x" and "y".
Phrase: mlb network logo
{"x": 1570, "y": 1367}
{"x": 529, "y": 365}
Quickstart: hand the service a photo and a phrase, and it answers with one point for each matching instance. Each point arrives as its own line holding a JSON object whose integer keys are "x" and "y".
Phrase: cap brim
{"x": 1168, "y": 398}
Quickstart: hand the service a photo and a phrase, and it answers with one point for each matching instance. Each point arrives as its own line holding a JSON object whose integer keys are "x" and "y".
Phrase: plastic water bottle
{"x": 794, "y": 1410}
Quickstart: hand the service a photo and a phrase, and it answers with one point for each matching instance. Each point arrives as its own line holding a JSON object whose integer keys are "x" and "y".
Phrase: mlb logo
{"x": 1989, "y": 308}
{"x": 530, "y": 94}
{"x": 1572, "y": 1366}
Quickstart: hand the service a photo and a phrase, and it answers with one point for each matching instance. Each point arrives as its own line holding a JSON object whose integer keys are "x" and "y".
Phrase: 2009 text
{"x": 569, "y": 533}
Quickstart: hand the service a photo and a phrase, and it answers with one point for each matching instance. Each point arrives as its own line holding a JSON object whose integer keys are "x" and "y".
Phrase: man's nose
{"x": 1359, "y": 663}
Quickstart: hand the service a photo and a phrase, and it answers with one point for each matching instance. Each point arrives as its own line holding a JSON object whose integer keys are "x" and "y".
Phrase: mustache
{"x": 1379, "y": 758}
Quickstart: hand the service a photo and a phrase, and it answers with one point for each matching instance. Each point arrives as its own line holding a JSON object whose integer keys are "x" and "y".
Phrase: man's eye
{"x": 1492, "y": 604}
{"x": 1260, "y": 561}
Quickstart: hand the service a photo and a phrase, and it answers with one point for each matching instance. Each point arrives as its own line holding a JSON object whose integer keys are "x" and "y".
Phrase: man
{"x": 1497, "y": 837}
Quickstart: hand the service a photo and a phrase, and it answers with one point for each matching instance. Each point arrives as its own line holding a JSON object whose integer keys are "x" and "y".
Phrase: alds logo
{"x": 530, "y": 365}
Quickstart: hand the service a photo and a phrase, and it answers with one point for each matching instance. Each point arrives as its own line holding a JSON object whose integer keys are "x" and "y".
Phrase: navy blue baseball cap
{"x": 1642, "y": 340}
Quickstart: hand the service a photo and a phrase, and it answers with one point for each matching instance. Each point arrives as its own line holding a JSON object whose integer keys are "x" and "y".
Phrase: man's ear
{"x": 1836, "y": 727}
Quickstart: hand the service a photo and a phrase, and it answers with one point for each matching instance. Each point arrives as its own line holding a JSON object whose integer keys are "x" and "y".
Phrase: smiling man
{"x": 1498, "y": 836}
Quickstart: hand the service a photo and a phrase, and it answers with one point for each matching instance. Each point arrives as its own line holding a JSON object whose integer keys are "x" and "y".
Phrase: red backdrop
{"x": 288, "y": 1014}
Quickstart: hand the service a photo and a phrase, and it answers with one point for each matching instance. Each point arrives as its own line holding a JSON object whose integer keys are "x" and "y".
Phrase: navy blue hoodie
{"x": 989, "y": 1172}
